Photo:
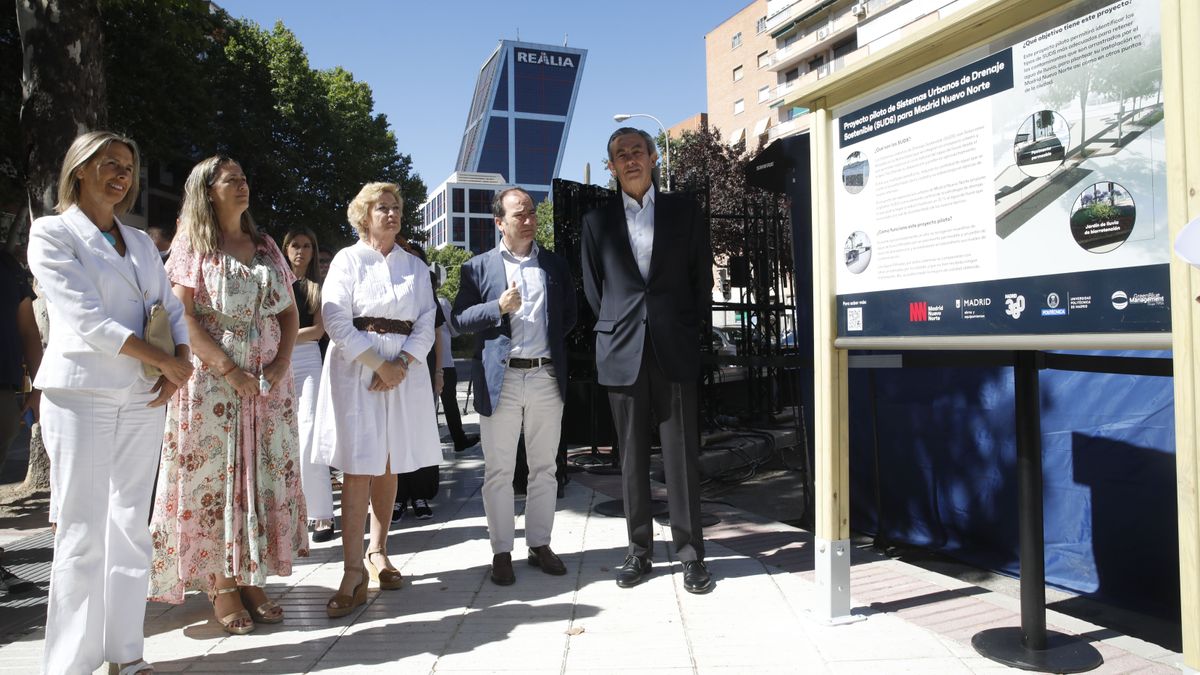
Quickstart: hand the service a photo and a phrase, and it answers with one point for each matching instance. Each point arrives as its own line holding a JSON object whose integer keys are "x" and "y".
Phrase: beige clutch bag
{"x": 158, "y": 334}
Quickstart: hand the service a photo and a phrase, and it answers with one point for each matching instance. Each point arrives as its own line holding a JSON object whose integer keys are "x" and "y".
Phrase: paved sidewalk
{"x": 450, "y": 618}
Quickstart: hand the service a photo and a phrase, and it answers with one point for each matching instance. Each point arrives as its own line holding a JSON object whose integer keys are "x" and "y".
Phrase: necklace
{"x": 112, "y": 239}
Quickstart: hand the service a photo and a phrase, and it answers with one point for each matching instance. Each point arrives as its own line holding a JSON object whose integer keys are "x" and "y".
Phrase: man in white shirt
{"x": 520, "y": 300}
{"x": 647, "y": 274}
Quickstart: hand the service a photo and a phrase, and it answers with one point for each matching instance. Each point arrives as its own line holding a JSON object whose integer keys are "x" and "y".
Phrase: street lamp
{"x": 666, "y": 135}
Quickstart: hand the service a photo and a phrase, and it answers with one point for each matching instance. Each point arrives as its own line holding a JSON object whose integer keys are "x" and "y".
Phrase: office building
{"x": 521, "y": 113}
{"x": 459, "y": 212}
{"x": 771, "y": 48}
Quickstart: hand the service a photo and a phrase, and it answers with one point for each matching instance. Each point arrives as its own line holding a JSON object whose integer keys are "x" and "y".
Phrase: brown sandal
{"x": 387, "y": 578}
{"x": 228, "y": 620}
{"x": 341, "y": 604}
{"x": 266, "y": 612}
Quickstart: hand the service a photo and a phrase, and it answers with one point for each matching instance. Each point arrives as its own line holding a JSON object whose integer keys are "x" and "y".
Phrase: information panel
{"x": 1019, "y": 190}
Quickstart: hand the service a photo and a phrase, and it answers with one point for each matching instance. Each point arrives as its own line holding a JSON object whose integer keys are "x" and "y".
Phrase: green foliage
{"x": 700, "y": 160}
{"x": 308, "y": 139}
{"x": 450, "y": 257}
{"x": 545, "y": 228}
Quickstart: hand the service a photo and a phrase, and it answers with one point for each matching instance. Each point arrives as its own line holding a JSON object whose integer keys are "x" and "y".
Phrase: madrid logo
{"x": 1014, "y": 305}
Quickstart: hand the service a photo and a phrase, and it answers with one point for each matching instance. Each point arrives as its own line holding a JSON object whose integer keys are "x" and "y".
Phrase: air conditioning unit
{"x": 823, "y": 33}
{"x": 859, "y": 9}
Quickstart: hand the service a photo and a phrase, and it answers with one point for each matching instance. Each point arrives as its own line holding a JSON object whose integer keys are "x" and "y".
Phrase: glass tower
{"x": 521, "y": 113}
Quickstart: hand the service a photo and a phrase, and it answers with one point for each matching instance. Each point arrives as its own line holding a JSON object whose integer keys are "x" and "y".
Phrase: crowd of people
{"x": 209, "y": 387}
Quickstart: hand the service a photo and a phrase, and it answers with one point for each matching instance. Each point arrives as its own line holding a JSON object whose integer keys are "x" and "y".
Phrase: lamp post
{"x": 666, "y": 135}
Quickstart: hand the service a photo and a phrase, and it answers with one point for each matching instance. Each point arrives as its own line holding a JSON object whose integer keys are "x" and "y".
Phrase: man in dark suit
{"x": 647, "y": 273}
{"x": 520, "y": 299}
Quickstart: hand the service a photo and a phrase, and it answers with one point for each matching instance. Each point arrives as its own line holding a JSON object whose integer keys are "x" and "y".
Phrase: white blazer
{"x": 96, "y": 300}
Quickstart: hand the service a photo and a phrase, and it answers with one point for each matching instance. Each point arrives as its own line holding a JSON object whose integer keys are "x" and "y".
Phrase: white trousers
{"x": 104, "y": 447}
{"x": 529, "y": 400}
{"x": 314, "y": 476}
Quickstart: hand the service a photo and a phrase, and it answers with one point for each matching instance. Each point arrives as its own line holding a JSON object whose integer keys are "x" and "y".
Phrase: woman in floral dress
{"x": 229, "y": 510}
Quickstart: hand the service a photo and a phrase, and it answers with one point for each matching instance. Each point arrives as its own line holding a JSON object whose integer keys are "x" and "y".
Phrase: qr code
{"x": 854, "y": 318}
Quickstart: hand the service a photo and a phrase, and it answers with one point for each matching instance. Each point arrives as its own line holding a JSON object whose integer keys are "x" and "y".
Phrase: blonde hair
{"x": 82, "y": 150}
{"x": 197, "y": 219}
{"x": 312, "y": 275}
{"x": 359, "y": 211}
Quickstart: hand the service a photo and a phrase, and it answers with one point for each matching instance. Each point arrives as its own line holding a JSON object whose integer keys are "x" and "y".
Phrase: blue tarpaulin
{"x": 946, "y": 477}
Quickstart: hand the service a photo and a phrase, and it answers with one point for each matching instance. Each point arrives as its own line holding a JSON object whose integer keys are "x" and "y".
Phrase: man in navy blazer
{"x": 647, "y": 274}
{"x": 520, "y": 300}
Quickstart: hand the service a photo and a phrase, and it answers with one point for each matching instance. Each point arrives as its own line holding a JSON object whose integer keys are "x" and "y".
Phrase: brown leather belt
{"x": 528, "y": 363}
{"x": 373, "y": 324}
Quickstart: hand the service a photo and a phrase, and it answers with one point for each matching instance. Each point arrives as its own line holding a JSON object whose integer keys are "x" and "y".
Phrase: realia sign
{"x": 545, "y": 59}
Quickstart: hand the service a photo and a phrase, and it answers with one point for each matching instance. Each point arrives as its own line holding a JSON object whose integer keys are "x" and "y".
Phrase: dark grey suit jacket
{"x": 477, "y": 310}
{"x": 675, "y": 302}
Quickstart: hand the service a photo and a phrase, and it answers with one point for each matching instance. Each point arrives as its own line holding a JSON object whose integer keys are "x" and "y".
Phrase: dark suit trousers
{"x": 450, "y": 405}
{"x": 675, "y": 407}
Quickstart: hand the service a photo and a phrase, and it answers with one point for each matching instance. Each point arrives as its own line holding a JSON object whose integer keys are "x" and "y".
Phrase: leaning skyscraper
{"x": 521, "y": 112}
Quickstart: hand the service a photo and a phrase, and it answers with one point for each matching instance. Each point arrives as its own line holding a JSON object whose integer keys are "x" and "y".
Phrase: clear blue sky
{"x": 421, "y": 59}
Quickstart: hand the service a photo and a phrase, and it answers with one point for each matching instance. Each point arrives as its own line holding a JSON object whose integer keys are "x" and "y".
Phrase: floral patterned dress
{"x": 229, "y": 500}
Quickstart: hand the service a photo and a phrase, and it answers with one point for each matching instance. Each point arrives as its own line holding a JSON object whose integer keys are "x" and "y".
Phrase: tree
{"x": 452, "y": 258}
{"x": 1136, "y": 74}
{"x": 63, "y": 93}
{"x": 307, "y": 139}
{"x": 62, "y": 80}
{"x": 1074, "y": 85}
{"x": 701, "y": 161}
{"x": 545, "y": 225}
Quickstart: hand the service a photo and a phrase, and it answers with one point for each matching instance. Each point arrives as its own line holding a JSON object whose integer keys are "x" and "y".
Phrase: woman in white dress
{"x": 102, "y": 411}
{"x": 375, "y": 417}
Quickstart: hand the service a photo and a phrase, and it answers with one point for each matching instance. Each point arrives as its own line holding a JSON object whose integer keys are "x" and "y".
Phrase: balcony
{"x": 780, "y": 93}
{"x": 792, "y": 12}
{"x": 817, "y": 39}
{"x": 789, "y": 128}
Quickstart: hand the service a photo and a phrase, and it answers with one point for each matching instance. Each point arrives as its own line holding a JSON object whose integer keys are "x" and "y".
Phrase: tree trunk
{"x": 62, "y": 95}
{"x": 62, "y": 86}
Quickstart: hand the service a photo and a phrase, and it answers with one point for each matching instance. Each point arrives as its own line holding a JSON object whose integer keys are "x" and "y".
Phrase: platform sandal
{"x": 387, "y": 578}
{"x": 341, "y": 604}
{"x": 266, "y": 612}
{"x": 228, "y": 620}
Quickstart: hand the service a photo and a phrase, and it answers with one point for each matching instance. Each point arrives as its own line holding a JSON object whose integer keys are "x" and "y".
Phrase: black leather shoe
{"x": 502, "y": 570}
{"x": 543, "y": 557}
{"x": 465, "y": 442}
{"x": 633, "y": 572}
{"x": 696, "y": 578}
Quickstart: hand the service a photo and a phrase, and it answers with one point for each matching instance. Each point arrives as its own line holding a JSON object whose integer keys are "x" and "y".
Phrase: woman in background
{"x": 300, "y": 247}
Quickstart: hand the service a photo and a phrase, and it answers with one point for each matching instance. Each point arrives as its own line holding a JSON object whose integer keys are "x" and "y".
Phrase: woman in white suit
{"x": 102, "y": 417}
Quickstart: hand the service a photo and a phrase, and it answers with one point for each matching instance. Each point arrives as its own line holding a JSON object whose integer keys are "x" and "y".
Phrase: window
{"x": 760, "y": 25}
{"x": 737, "y": 40}
{"x": 764, "y": 60}
{"x": 460, "y": 203}
{"x": 460, "y": 230}
{"x": 481, "y": 200}
{"x": 764, "y": 93}
{"x": 737, "y": 73}
{"x": 483, "y": 235}
{"x": 739, "y": 106}
{"x": 793, "y": 74}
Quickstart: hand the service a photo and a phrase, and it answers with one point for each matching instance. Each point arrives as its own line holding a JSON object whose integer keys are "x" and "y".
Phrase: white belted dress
{"x": 361, "y": 431}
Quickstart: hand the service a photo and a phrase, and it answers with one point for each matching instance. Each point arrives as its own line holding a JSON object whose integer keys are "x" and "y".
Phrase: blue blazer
{"x": 476, "y": 309}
